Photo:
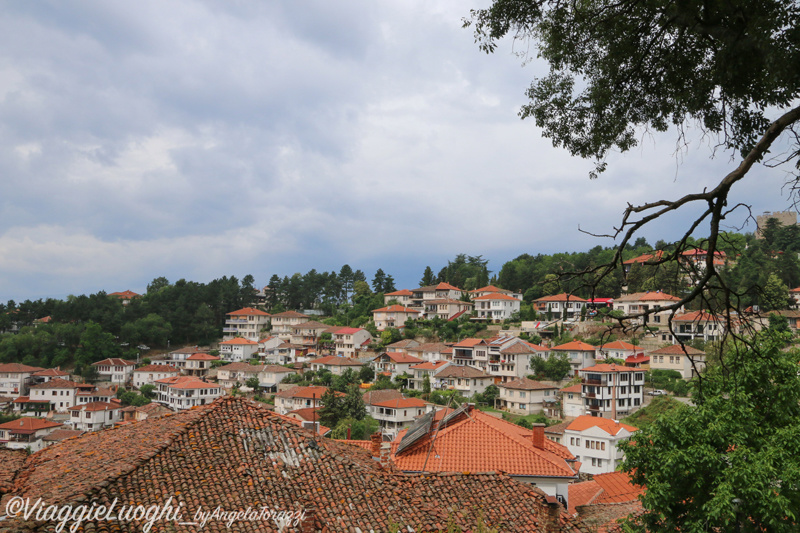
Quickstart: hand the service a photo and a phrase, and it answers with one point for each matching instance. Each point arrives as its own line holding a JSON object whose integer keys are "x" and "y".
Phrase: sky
{"x": 198, "y": 139}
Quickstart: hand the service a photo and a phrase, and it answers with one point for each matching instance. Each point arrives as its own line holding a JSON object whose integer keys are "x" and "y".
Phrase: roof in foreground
{"x": 612, "y": 427}
{"x": 235, "y": 453}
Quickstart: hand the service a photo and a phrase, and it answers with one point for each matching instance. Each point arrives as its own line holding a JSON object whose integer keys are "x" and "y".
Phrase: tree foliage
{"x": 735, "y": 447}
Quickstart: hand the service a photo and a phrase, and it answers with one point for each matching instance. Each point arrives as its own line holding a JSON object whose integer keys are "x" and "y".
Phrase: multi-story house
{"x": 283, "y": 323}
{"x": 115, "y": 370}
{"x": 472, "y": 352}
{"x": 347, "y": 342}
{"x": 402, "y": 346}
{"x": 335, "y": 365}
{"x": 60, "y": 393}
{"x": 308, "y": 333}
{"x": 446, "y": 308}
{"x": 641, "y": 302}
{"x": 238, "y": 349}
{"x": 271, "y": 375}
{"x": 555, "y": 306}
{"x": 594, "y": 442}
{"x": 697, "y": 325}
{"x": 393, "y": 316}
{"x": 185, "y": 392}
{"x": 88, "y": 393}
{"x": 491, "y": 289}
{"x": 465, "y": 379}
{"x": 395, "y": 363}
{"x": 15, "y": 378}
{"x": 580, "y": 354}
{"x": 26, "y": 433}
{"x": 178, "y": 357}
{"x": 496, "y": 306}
{"x": 43, "y": 376}
{"x": 198, "y": 364}
{"x": 513, "y": 361}
{"x": 430, "y": 351}
{"x": 684, "y": 359}
{"x": 396, "y": 414}
{"x": 525, "y": 396}
{"x": 285, "y": 353}
{"x": 617, "y": 350}
{"x": 246, "y": 323}
{"x": 434, "y": 292}
{"x": 403, "y": 297}
{"x": 572, "y": 402}
{"x": 420, "y": 371}
{"x": 300, "y": 397}
{"x": 149, "y": 374}
{"x": 233, "y": 373}
{"x": 125, "y": 296}
{"x": 611, "y": 391}
{"x": 95, "y": 416}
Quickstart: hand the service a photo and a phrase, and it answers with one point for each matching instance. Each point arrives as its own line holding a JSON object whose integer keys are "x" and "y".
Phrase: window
{"x": 603, "y": 446}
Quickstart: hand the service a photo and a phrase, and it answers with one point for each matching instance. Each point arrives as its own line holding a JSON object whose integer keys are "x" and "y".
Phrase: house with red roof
{"x": 641, "y": 302}
{"x": 395, "y": 363}
{"x": 60, "y": 393}
{"x": 422, "y": 370}
{"x": 617, "y": 350}
{"x": 571, "y": 402}
{"x": 525, "y": 396}
{"x": 43, "y": 376}
{"x": 15, "y": 378}
{"x": 300, "y": 397}
{"x": 398, "y": 413}
{"x": 434, "y": 292}
{"x": 125, "y": 296}
{"x": 430, "y": 351}
{"x": 467, "y": 380}
{"x": 198, "y": 364}
{"x": 446, "y": 308}
{"x": 246, "y": 323}
{"x": 403, "y": 297}
{"x": 335, "y": 365}
{"x": 403, "y": 345}
{"x": 94, "y": 416}
{"x": 115, "y": 370}
{"x": 495, "y": 306}
{"x": 184, "y": 392}
{"x": 579, "y": 353}
{"x": 513, "y": 360}
{"x": 469, "y": 440}
{"x": 149, "y": 374}
{"x": 238, "y": 349}
{"x": 491, "y": 289}
{"x": 393, "y": 316}
{"x": 638, "y": 361}
{"x": 348, "y": 342}
{"x": 472, "y": 352}
{"x": 556, "y": 305}
{"x": 700, "y": 325}
{"x": 605, "y": 492}
{"x": 594, "y": 440}
{"x": 26, "y": 432}
{"x": 611, "y": 391}
{"x": 282, "y": 323}
{"x": 684, "y": 359}
{"x": 308, "y": 333}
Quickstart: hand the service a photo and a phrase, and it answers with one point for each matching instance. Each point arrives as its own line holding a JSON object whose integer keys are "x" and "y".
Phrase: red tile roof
{"x": 96, "y": 406}
{"x": 497, "y": 296}
{"x": 469, "y": 343}
{"x": 563, "y": 297}
{"x": 649, "y": 296}
{"x": 400, "y": 358}
{"x": 239, "y": 340}
{"x": 430, "y": 365}
{"x": 446, "y": 287}
{"x": 310, "y": 391}
{"x": 18, "y": 368}
{"x": 114, "y": 361}
{"x": 27, "y": 425}
{"x": 677, "y": 349}
{"x": 234, "y": 454}
{"x": 290, "y": 314}
{"x": 157, "y": 368}
{"x": 617, "y": 487}
{"x": 620, "y": 345}
{"x": 526, "y": 384}
{"x": 377, "y": 396}
{"x": 199, "y": 356}
{"x": 611, "y": 427}
{"x": 240, "y": 367}
{"x": 56, "y": 383}
{"x": 572, "y": 388}
{"x": 124, "y": 294}
{"x": 12, "y": 461}
{"x": 603, "y": 367}
{"x": 482, "y": 443}
{"x": 347, "y": 331}
{"x": 458, "y": 371}
{"x": 698, "y": 316}
{"x": 333, "y": 360}
{"x": 490, "y": 288}
{"x": 583, "y": 494}
{"x": 403, "y": 292}
{"x": 521, "y": 348}
{"x": 637, "y": 359}
{"x": 395, "y": 309}
{"x": 579, "y": 346}
{"x": 401, "y": 403}
{"x": 248, "y": 311}
{"x": 55, "y": 372}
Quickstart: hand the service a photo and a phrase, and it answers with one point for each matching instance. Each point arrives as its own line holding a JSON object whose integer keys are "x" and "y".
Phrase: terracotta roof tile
{"x": 563, "y": 297}
{"x": 236, "y": 341}
{"x": 526, "y": 384}
{"x": 377, "y": 396}
{"x": 248, "y": 311}
{"x": 114, "y": 361}
{"x": 56, "y": 383}
{"x": 677, "y": 349}
{"x": 157, "y": 368}
{"x": 583, "y": 494}
{"x": 575, "y": 346}
{"x": 16, "y": 368}
{"x": 333, "y": 360}
{"x": 290, "y": 314}
{"x": 401, "y": 358}
{"x": 611, "y": 427}
{"x": 395, "y": 309}
{"x": 497, "y": 296}
{"x": 459, "y": 371}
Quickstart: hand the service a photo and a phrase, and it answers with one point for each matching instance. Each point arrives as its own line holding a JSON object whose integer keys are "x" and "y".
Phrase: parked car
{"x": 657, "y": 392}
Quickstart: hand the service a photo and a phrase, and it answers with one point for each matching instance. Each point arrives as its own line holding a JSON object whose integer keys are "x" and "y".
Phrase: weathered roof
{"x": 526, "y": 384}
{"x": 611, "y": 427}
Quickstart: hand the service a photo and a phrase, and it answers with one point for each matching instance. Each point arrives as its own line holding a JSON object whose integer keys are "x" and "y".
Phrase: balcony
{"x": 589, "y": 395}
{"x": 230, "y": 330}
{"x": 236, "y": 321}
{"x": 591, "y": 382}
{"x": 594, "y": 407}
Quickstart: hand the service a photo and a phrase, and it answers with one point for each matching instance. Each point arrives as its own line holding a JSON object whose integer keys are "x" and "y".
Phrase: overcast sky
{"x": 196, "y": 139}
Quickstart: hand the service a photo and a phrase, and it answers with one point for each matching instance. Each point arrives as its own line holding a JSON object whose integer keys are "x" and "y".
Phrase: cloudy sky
{"x": 196, "y": 139}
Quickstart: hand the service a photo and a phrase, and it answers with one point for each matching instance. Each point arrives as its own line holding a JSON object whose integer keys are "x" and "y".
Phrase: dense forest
{"x": 84, "y": 329}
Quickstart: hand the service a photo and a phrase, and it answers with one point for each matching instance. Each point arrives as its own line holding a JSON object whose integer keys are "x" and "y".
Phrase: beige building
{"x": 246, "y": 323}
{"x": 446, "y": 308}
{"x": 282, "y": 323}
{"x": 393, "y": 316}
{"x": 786, "y": 218}
{"x": 525, "y": 396}
{"x": 684, "y": 359}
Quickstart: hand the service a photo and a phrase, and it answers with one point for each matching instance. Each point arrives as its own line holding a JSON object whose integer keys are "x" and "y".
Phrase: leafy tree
{"x": 427, "y": 277}
{"x": 729, "y": 462}
{"x": 557, "y": 367}
{"x": 426, "y": 384}
{"x": 252, "y": 383}
{"x": 366, "y": 374}
{"x": 776, "y": 293}
{"x": 490, "y": 395}
{"x": 379, "y": 280}
{"x": 148, "y": 391}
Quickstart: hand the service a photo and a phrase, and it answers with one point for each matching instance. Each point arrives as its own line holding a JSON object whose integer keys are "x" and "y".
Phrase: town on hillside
{"x": 534, "y": 398}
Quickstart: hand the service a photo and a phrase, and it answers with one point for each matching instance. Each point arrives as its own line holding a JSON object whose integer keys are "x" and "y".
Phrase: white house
{"x": 617, "y": 350}
{"x": 282, "y": 323}
{"x": 149, "y": 374}
{"x": 640, "y": 302}
{"x": 59, "y": 392}
{"x": 594, "y": 441}
{"x": 446, "y": 308}
{"x": 572, "y": 401}
{"x": 514, "y": 360}
{"x": 185, "y": 392}
{"x": 402, "y": 297}
{"x": 525, "y": 396}
{"x": 399, "y": 413}
{"x": 430, "y": 351}
{"x": 611, "y": 391}
{"x": 559, "y": 304}
{"x": 198, "y": 364}
{"x": 95, "y": 416}
{"x": 115, "y": 370}
{"x": 238, "y": 349}
{"x": 491, "y": 289}
{"x": 26, "y": 432}
{"x": 434, "y": 292}
{"x": 496, "y": 306}
{"x": 335, "y": 365}
{"x": 393, "y": 316}
{"x": 580, "y": 354}
{"x": 465, "y": 379}
{"x": 15, "y": 378}
{"x": 246, "y": 323}
{"x": 348, "y": 341}
{"x": 420, "y": 371}
{"x": 299, "y": 397}
{"x": 684, "y": 359}
{"x": 395, "y": 363}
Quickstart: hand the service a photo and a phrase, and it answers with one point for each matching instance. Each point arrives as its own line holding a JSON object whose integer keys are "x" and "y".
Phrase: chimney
{"x": 554, "y": 510}
{"x": 386, "y": 453}
{"x": 538, "y": 435}
{"x": 377, "y": 440}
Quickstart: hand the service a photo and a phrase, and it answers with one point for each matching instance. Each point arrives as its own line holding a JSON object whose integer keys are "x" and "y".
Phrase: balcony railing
{"x": 590, "y": 395}
{"x": 594, "y": 407}
{"x": 236, "y": 321}
{"x": 591, "y": 381}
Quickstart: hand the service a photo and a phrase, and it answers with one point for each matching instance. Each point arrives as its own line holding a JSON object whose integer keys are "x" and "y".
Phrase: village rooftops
{"x": 200, "y": 356}
{"x": 612, "y": 427}
{"x": 648, "y": 296}
{"x": 332, "y": 360}
{"x": 49, "y": 372}
{"x": 395, "y": 309}
{"x": 28, "y": 425}
{"x": 114, "y": 361}
{"x": 575, "y": 346}
{"x": 290, "y": 314}
{"x": 677, "y": 349}
{"x": 527, "y": 384}
{"x": 234, "y": 453}
{"x": 563, "y": 297}
{"x": 249, "y": 311}
{"x": 457, "y": 371}
{"x": 56, "y": 383}
{"x": 496, "y": 296}
{"x": 236, "y": 341}
{"x": 18, "y": 368}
